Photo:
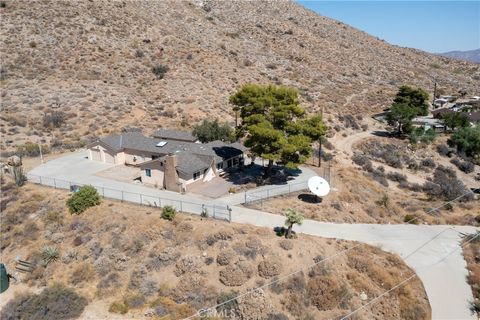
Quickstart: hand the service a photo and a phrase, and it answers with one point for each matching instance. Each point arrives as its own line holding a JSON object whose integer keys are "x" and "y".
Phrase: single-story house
{"x": 176, "y": 135}
{"x": 438, "y": 113}
{"x": 429, "y": 123}
{"x": 440, "y": 102}
{"x": 474, "y": 117}
{"x": 169, "y": 164}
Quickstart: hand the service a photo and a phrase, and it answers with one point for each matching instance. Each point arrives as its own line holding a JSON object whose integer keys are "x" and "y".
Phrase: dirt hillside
{"x": 93, "y": 61}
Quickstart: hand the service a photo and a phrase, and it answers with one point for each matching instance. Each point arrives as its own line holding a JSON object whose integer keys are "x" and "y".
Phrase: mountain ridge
{"x": 467, "y": 55}
{"x": 93, "y": 61}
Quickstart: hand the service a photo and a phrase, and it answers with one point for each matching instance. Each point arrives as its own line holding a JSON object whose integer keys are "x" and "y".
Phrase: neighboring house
{"x": 440, "y": 102}
{"x": 175, "y": 135}
{"x": 170, "y": 164}
{"x": 439, "y": 113}
{"x": 429, "y": 123}
{"x": 474, "y": 117}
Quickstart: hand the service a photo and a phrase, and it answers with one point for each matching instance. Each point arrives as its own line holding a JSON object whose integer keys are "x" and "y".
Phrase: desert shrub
{"x": 111, "y": 280}
{"x": 118, "y": 307}
{"x": 268, "y": 269}
{"x": 393, "y": 160}
{"x": 139, "y": 53}
{"x": 31, "y": 149}
{"x": 445, "y": 185}
{"x": 53, "y": 119}
{"x": 84, "y": 198}
{"x": 465, "y": 166}
{"x": 349, "y": 122}
{"x": 411, "y": 218}
{"x": 360, "y": 159}
{"x": 82, "y": 273}
{"x": 444, "y": 150}
{"x": 379, "y": 176}
{"x": 227, "y": 302}
{"x": 160, "y": 70}
{"x": 168, "y": 213}
{"x": 134, "y": 300}
{"x": 286, "y": 244}
{"x": 225, "y": 257}
{"x": 428, "y": 162}
{"x": 237, "y": 274}
{"x": 396, "y": 176}
{"x": 413, "y": 312}
{"x": 53, "y": 217}
{"x": 325, "y": 292}
{"x": 56, "y": 302}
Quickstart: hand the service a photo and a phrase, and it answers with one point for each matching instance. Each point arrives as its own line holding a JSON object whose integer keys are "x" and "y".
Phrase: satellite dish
{"x": 318, "y": 186}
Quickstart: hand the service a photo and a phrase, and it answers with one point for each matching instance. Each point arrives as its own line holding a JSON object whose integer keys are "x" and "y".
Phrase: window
{"x": 220, "y": 165}
{"x": 148, "y": 172}
{"x": 235, "y": 161}
{"x": 196, "y": 175}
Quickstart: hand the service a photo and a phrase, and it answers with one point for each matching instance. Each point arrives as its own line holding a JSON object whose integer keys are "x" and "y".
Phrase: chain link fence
{"x": 216, "y": 211}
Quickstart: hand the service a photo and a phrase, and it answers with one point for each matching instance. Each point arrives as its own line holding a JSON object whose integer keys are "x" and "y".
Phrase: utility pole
{"x": 434, "y": 91}
{"x": 41, "y": 155}
{"x": 320, "y": 144}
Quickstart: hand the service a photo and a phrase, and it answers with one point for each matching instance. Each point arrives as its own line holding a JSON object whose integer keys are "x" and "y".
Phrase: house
{"x": 439, "y": 102}
{"x": 439, "y": 113}
{"x": 175, "y": 135}
{"x": 474, "y": 117}
{"x": 429, "y": 123}
{"x": 168, "y": 163}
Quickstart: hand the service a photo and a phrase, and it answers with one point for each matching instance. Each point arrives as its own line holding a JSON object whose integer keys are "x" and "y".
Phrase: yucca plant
{"x": 50, "y": 254}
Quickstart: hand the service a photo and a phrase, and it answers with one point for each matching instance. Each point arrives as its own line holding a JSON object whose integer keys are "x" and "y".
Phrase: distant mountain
{"x": 471, "y": 55}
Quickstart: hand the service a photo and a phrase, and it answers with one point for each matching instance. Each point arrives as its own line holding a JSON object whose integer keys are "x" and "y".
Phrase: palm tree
{"x": 293, "y": 217}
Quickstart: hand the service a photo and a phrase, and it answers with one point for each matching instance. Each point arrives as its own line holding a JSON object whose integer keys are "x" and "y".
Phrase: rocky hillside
{"x": 93, "y": 61}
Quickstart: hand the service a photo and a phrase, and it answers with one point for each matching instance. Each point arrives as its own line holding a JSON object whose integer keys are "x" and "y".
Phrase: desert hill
{"x": 93, "y": 61}
{"x": 469, "y": 55}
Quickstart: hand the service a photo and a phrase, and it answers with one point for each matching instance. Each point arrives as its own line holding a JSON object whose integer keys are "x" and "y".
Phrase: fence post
{"x": 214, "y": 211}
{"x": 289, "y": 188}
{"x": 40, "y": 179}
{"x": 54, "y": 183}
{"x": 159, "y": 202}
{"x": 122, "y": 195}
{"x": 103, "y": 192}
{"x": 245, "y": 197}
{"x": 181, "y": 206}
{"x": 141, "y": 199}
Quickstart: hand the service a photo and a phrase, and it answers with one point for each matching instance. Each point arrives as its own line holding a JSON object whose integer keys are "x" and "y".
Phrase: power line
{"x": 406, "y": 280}
{"x": 205, "y": 310}
{"x": 444, "y": 204}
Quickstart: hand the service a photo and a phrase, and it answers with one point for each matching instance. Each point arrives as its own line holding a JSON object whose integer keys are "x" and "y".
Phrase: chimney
{"x": 171, "y": 175}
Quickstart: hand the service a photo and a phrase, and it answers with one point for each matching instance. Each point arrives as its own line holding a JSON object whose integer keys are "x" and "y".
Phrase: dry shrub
{"x": 237, "y": 274}
{"x": 83, "y": 272}
{"x": 188, "y": 264}
{"x": 166, "y": 257}
{"x": 225, "y": 257}
{"x": 295, "y": 304}
{"x": 326, "y": 292}
{"x": 286, "y": 244}
{"x": 269, "y": 268}
{"x": 108, "y": 283}
{"x": 254, "y": 306}
{"x": 56, "y": 302}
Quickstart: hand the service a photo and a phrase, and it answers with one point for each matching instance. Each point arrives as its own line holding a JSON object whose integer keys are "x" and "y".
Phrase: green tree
{"x": 456, "y": 120}
{"x": 401, "y": 115}
{"x": 467, "y": 140}
{"x": 292, "y": 218}
{"x": 415, "y": 98}
{"x": 84, "y": 198}
{"x": 213, "y": 130}
{"x": 422, "y": 135}
{"x": 275, "y": 125}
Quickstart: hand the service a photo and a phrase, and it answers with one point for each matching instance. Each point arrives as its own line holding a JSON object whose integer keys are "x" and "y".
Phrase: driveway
{"x": 444, "y": 280}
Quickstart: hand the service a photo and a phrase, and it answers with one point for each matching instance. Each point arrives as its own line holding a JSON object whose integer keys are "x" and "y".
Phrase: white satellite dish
{"x": 318, "y": 186}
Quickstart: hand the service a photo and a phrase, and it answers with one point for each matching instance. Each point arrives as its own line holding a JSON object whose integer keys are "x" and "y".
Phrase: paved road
{"x": 444, "y": 281}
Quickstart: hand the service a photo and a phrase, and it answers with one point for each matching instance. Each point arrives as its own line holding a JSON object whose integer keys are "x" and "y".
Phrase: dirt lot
{"x": 123, "y": 257}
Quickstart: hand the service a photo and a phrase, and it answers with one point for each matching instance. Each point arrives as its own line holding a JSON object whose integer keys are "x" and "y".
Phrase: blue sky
{"x": 433, "y": 26}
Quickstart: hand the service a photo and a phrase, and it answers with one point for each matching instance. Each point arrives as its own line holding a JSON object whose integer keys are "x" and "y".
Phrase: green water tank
{"x": 4, "y": 279}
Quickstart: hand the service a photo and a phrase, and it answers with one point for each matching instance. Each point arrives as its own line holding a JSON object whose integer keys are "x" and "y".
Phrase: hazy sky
{"x": 434, "y": 26}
